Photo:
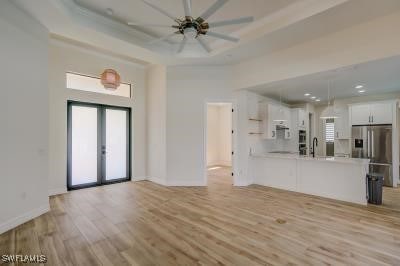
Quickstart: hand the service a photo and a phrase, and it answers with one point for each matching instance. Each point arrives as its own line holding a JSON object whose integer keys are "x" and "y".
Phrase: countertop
{"x": 310, "y": 158}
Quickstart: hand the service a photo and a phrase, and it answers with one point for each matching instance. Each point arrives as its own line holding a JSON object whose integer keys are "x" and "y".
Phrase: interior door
{"x": 98, "y": 145}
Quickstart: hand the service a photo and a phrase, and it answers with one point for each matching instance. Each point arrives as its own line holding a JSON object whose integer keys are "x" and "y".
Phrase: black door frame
{"x": 101, "y": 142}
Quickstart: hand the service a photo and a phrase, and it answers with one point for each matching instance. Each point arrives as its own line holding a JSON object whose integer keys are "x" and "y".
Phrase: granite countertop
{"x": 310, "y": 158}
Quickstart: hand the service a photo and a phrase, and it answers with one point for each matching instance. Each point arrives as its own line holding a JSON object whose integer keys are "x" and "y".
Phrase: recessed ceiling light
{"x": 306, "y": 94}
{"x": 313, "y": 97}
{"x": 109, "y": 11}
{"x": 361, "y": 91}
{"x": 359, "y": 86}
{"x": 317, "y": 100}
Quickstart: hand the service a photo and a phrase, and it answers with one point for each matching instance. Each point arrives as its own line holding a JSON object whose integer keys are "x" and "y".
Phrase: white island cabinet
{"x": 336, "y": 178}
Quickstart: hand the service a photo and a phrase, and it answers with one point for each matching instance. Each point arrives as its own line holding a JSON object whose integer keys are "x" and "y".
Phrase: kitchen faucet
{"x": 314, "y": 141}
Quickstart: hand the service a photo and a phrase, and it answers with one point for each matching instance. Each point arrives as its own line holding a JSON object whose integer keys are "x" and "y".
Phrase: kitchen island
{"x": 330, "y": 177}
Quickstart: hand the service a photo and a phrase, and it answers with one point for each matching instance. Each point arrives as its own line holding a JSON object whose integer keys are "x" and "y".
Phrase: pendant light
{"x": 280, "y": 116}
{"x": 110, "y": 79}
{"x": 329, "y": 113}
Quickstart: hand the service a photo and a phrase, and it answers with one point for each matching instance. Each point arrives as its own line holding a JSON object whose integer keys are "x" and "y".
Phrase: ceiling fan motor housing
{"x": 198, "y": 25}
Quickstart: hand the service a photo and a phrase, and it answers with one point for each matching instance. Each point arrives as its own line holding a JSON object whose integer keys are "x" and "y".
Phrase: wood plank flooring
{"x": 143, "y": 223}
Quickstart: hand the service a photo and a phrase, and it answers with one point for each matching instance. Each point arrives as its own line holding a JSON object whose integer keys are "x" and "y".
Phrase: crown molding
{"x": 88, "y": 48}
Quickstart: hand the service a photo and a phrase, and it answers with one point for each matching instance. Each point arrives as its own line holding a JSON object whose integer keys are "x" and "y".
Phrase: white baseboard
{"x": 186, "y": 183}
{"x": 139, "y": 178}
{"x": 219, "y": 163}
{"x": 225, "y": 163}
{"x": 242, "y": 184}
{"x": 14, "y": 222}
{"x": 57, "y": 191}
{"x": 157, "y": 180}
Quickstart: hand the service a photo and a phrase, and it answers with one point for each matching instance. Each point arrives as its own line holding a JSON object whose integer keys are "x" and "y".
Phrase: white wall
{"x": 24, "y": 112}
{"x": 225, "y": 135}
{"x": 156, "y": 123}
{"x": 219, "y": 136}
{"x": 212, "y": 135}
{"x": 66, "y": 57}
{"x": 188, "y": 90}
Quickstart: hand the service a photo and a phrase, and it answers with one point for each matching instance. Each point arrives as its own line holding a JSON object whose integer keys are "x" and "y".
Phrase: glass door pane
{"x": 83, "y": 147}
{"x": 116, "y": 144}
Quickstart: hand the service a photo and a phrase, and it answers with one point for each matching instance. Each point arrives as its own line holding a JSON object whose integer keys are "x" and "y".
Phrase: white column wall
{"x": 69, "y": 58}
{"x": 189, "y": 88}
{"x": 156, "y": 123}
{"x": 24, "y": 112}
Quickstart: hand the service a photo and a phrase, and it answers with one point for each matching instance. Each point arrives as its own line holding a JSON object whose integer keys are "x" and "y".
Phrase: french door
{"x": 98, "y": 144}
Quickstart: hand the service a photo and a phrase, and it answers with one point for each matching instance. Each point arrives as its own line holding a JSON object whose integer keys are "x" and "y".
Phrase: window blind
{"x": 330, "y": 130}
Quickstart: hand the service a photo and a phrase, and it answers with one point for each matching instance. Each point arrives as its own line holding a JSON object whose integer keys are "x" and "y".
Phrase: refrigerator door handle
{"x": 367, "y": 143}
{"x": 372, "y": 143}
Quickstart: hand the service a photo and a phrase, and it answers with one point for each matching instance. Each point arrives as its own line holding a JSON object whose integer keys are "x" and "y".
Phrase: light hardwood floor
{"x": 146, "y": 224}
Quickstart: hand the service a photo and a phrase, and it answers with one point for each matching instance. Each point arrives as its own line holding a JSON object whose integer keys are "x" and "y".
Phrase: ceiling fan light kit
{"x": 194, "y": 29}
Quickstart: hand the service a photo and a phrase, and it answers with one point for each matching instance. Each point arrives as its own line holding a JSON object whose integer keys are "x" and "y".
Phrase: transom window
{"x": 93, "y": 84}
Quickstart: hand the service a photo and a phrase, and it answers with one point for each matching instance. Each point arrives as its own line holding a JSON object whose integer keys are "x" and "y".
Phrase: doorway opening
{"x": 219, "y": 143}
{"x": 99, "y": 140}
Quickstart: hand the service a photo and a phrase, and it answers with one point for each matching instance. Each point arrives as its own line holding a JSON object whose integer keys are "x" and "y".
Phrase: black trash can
{"x": 374, "y": 188}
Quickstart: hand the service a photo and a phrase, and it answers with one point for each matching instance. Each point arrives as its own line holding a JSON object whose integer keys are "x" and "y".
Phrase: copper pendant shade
{"x": 110, "y": 79}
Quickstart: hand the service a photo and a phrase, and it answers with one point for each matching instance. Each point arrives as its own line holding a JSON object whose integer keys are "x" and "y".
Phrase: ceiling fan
{"x": 195, "y": 29}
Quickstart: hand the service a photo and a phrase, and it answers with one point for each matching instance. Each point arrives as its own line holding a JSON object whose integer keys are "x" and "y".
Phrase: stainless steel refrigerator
{"x": 375, "y": 143}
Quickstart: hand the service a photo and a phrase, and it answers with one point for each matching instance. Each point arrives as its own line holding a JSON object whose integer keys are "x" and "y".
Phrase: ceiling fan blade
{"x": 182, "y": 45}
{"x": 148, "y": 25}
{"x": 164, "y": 37}
{"x": 230, "y": 22}
{"x": 187, "y": 5}
{"x": 162, "y": 11}
{"x": 222, "y": 36}
{"x": 212, "y": 9}
{"x": 203, "y": 44}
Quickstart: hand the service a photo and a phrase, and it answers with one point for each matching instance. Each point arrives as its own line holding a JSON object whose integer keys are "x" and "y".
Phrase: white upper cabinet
{"x": 299, "y": 119}
{"x": 274, "y": 115}
{"x": 342, "y": 125}
{"x": 381, "y": 113}
{"x": 268, "y": 125}
{"x": 302, "y": 119}
{"x": 360, "y": 114}
{"x": 372, "y": 113}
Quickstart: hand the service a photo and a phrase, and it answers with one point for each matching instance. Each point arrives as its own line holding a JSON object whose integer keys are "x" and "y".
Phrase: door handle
{"x": 368, "y": 144}
{"x": 372, "y": 141}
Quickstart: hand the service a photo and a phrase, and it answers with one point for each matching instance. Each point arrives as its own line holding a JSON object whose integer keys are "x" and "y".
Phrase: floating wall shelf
{"x": 255, "y": 119}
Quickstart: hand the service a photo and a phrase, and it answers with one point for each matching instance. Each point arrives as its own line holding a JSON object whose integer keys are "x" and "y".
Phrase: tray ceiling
{"x": 137, "y": 11}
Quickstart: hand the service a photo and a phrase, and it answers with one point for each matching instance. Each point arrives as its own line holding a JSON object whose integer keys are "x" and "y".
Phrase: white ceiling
{"x": 377, "y": 77}
{"x": 137, "y": 11}
{"x": 279, "y": 24}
